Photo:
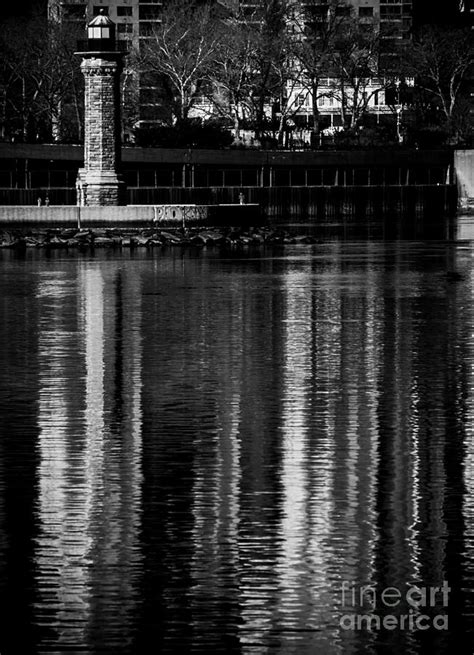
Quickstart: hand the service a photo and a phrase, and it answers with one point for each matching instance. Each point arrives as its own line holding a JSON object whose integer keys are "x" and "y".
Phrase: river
{"x": 253, "y": 451}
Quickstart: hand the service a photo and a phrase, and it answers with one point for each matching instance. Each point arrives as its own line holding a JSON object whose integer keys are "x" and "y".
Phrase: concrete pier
{"x": 131, "y": 215}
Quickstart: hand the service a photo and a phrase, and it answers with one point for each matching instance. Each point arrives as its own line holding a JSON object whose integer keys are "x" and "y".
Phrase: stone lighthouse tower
{"x": 99, "y": 183}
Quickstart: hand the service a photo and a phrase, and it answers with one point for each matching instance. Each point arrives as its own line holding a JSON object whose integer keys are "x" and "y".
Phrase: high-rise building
{"x": 136, "y": 20}
{"x": 125, "y": 13}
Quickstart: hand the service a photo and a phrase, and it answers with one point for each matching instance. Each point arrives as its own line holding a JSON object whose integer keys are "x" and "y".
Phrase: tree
{"x": 179, "y": 52}
{"x": 269, "y": 59}
{"x": 41, "y": 81}
{"x": 318, "y": 28}
{"x": 130, "y": 93}
{"x": 231, "y": 74}
{"x": 442, "y": 60}
{"x": 355, "y": 71}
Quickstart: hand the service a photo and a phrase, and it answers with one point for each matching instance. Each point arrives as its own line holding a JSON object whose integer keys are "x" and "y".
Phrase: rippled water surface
{"x": 208, "y": 452}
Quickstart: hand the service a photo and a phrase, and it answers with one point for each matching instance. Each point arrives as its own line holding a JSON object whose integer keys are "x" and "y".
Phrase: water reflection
{"x": 218, "y": 445}
{"x": 89, "y": 475}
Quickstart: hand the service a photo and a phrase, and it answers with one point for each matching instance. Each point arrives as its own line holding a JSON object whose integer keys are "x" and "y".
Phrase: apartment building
{"x": 392, "y": 20}
{"x": 132, "y": 17}
{"x": 136, "y": 19}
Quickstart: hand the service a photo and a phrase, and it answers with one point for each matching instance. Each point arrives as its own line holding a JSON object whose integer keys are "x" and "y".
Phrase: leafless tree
{"x": 179, "y": 51}
{"x": 231, "y": 75}
{"x": 356, "y": 76}
{"x": 318, "y": 27}
{"x": 251, "y": 73}
{"x": 441, "y": 59}
{"x": 41, "y": 81}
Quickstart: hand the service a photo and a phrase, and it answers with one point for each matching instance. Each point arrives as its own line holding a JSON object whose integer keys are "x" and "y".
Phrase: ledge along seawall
{"x": 131, "y": 216}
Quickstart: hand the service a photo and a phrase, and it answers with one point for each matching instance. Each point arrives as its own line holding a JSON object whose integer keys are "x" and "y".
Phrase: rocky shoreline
{"x": 148, "y": 238}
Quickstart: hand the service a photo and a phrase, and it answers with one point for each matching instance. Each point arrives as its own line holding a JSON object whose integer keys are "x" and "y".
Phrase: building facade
{"x": 137, "y": 19}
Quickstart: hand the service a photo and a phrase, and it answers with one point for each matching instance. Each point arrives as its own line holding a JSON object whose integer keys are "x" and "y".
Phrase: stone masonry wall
{"x": 101, "y": 114}
{"x": 98, "y": 182}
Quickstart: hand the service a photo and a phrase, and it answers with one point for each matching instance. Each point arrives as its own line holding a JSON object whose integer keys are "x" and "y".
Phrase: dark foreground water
{"x": 216, "y": 453}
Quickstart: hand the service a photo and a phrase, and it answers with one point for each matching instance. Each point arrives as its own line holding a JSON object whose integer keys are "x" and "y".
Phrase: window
{"x": 147, "y": 29}
{"x": 124, "y": 28}
{"x": 97, "y": 9}
{"x": 74, "y": 11}
{"x": 124, "y": 11}
{"x": 343, "y": 11}
{"x": 147, "y": 13}
{"x": 366, "y": 12}
{"x": 390, "y": 11}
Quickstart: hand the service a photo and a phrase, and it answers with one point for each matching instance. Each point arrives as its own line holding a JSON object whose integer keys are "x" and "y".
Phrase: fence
{"x": 322, "y": 202}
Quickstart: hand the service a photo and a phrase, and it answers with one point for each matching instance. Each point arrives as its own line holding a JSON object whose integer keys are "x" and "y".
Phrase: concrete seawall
{"x": 131, "y": 215}
{"x": 222, "y": 207}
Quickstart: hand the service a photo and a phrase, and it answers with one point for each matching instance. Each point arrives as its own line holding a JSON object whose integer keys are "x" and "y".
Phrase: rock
{"x": 225, "y": 242}
{"x": 67, "y": 234}
{"x": 99, "y": 233}
{"x": 83, "y": 235}
{"x": 103, "y": 242}
{"x": 56, "y": 242}
{"x": 170, "y": 238}
{"x": 141, "y": 240}
{"x": 210, "y": 237}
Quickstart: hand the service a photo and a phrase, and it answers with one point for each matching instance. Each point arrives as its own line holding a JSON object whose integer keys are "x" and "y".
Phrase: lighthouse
{"x": 99, "y": 182}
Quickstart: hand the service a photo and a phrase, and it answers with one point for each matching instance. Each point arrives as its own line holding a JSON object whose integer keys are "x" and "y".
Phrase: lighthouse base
{"x": 99, "y": 188}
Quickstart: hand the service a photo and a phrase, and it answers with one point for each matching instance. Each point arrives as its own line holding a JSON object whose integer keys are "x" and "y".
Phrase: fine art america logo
{"x": 414, "y": 608}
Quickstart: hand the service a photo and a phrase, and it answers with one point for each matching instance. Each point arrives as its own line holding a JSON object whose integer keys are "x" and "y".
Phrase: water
{"x": 200, "y": 451}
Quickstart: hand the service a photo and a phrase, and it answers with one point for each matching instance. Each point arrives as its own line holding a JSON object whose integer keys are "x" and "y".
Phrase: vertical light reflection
{"x": 116, "y": 549}
{"x": 295, "y": 584}
{"x": 369, "y": 451}
{"x": 90, "y": 418}
{"x": 68, "y": 470}
{"x": 469, "y": 448}
{"x": 217, "y": 473}
{"x": 355, "y": 437}
{"x": 400, "y": 449}
{"x": 348, "y": 347}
